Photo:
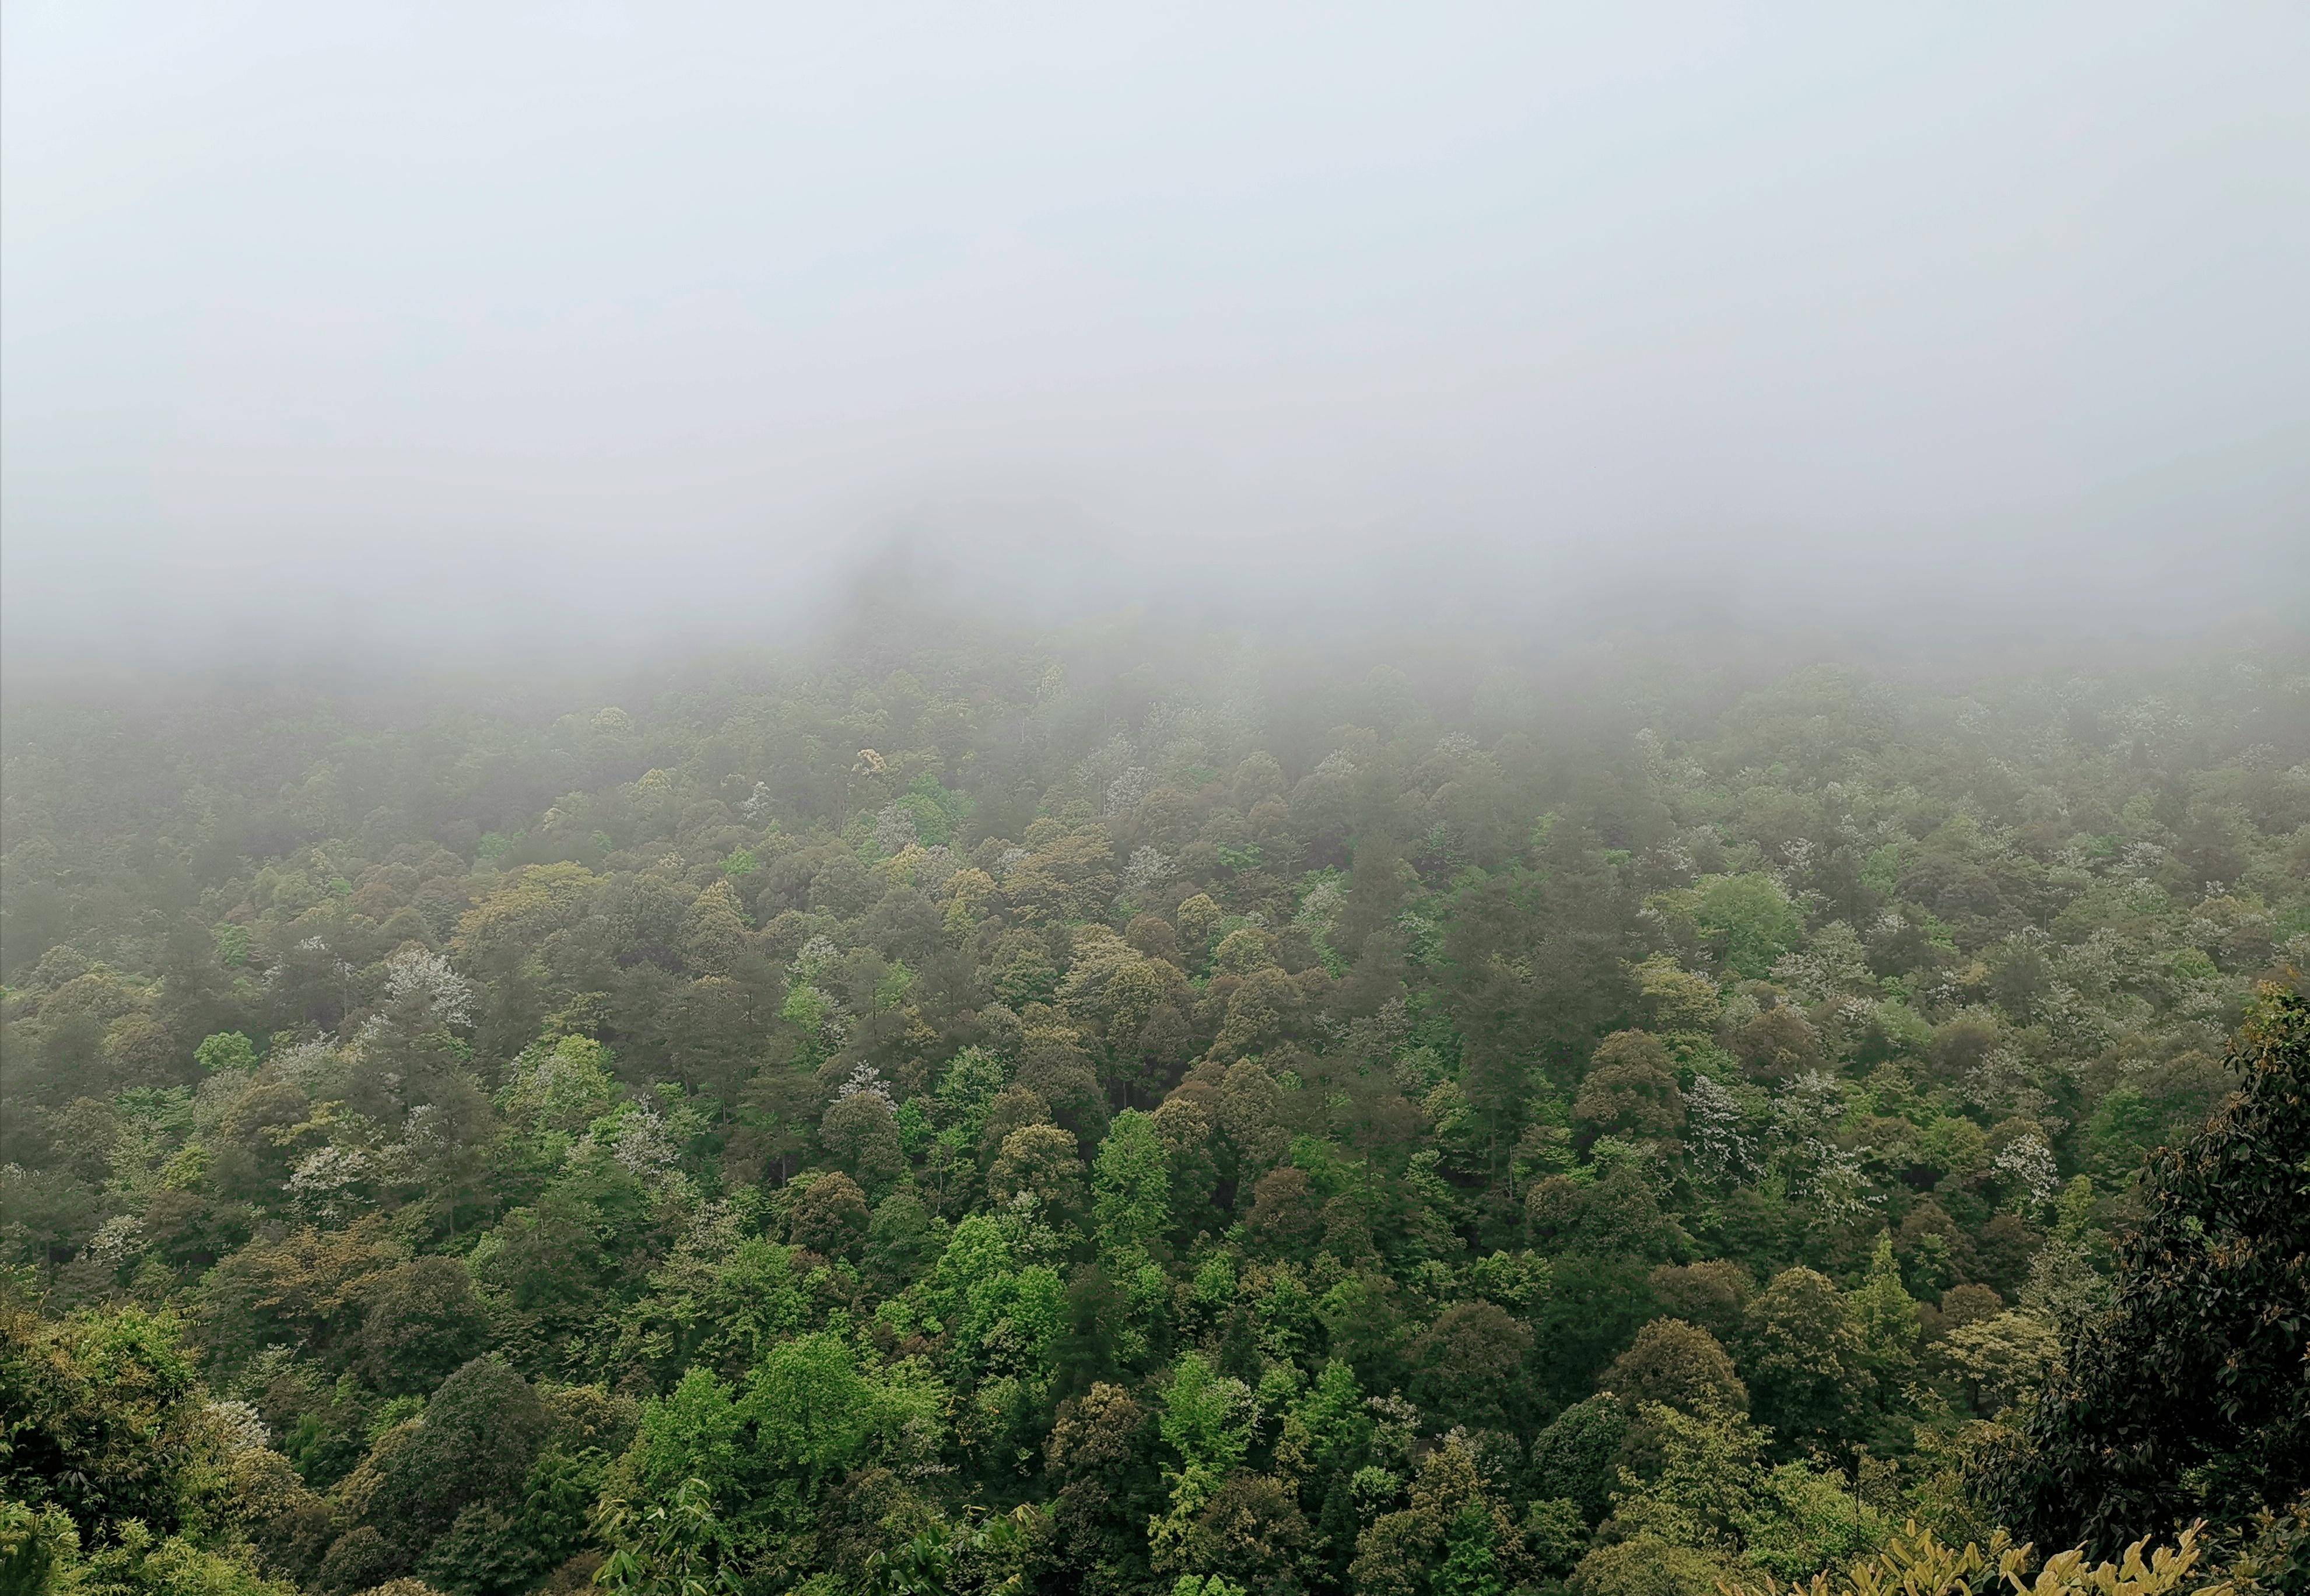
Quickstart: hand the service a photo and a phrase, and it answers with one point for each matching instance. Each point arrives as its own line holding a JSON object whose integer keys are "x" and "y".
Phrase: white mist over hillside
{"x": 445, "y": 329}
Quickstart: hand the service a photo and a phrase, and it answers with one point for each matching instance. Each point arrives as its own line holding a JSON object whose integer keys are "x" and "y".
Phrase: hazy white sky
{"x": 454, "y": 319}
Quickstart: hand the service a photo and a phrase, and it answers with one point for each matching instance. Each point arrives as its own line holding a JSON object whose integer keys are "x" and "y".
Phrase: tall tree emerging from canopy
{"x": 2191, "y": 1395}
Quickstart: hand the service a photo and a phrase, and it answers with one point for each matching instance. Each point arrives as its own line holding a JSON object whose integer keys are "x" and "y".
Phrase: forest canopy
{"x": 1117, "y": 1112}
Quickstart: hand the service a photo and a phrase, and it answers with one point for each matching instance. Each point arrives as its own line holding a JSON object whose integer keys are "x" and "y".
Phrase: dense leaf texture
{"x": 2191, "y": 1395}
{"x": 1131, "y": 1113}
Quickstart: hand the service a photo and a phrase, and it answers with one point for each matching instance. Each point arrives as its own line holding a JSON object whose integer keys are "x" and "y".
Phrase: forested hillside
{"x": 1073, "y": 1116}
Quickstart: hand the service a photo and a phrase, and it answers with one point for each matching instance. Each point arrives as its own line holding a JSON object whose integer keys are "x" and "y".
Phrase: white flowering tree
{"x": 416, "y": 972}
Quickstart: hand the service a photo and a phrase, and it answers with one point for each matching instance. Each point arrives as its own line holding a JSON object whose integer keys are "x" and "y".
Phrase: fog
{"x": 582, "y": 326}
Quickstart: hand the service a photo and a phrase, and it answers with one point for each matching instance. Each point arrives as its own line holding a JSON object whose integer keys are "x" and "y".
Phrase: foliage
{"x": 2190, "y": 1393}
{"x": 1113, "y": 1114}
{"x": 1915, "y": 1563}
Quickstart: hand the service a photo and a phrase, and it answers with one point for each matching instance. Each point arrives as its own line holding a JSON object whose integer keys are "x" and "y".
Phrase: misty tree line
{"x": 1108, "y": 1117}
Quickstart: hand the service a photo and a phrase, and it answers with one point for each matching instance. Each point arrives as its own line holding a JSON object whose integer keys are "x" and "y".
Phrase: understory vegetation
{"x": 1097, "y": 1114}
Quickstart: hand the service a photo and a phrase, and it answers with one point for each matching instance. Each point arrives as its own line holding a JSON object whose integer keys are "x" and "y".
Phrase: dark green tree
{"x": 2191, "y": 1395}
